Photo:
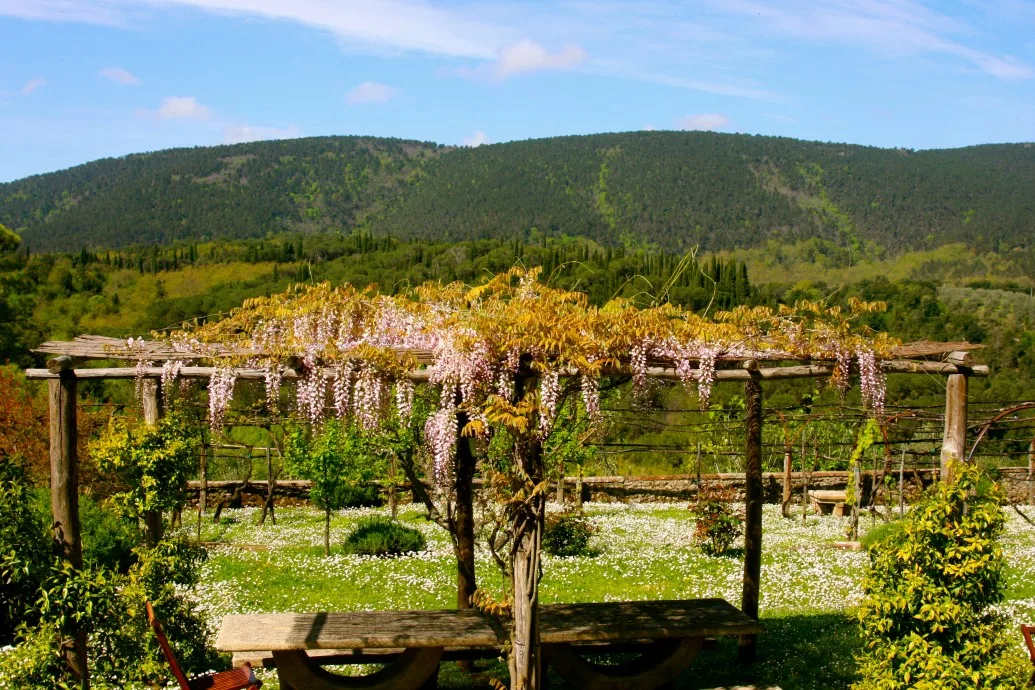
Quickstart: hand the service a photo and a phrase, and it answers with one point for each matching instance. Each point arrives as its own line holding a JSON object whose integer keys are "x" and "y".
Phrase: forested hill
{"x": 674, "y": 190}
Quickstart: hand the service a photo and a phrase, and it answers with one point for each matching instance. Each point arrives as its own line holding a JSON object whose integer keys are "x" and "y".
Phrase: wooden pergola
{"x": 951, "y": 360}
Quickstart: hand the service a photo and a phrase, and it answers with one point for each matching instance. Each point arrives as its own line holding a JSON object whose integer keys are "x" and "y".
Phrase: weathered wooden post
{"x": 954, "y": 441}
{"x": 64, "y": 491}
{"x": 151, "y": 401}
{"x": 902, "y": 484}
{"x": 752, "y": 512}
{"x": 1031, "y": 473}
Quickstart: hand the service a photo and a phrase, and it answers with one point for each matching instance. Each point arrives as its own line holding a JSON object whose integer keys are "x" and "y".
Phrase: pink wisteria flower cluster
{"x": 355, "y": 352}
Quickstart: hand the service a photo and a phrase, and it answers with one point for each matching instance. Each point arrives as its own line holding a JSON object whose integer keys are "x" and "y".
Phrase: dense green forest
{"x": 668, "y": 190}
{"x": 135, "y": 290}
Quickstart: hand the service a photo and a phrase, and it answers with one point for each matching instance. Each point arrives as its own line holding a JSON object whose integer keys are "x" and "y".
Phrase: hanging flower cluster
{"x": 350, "y": 347}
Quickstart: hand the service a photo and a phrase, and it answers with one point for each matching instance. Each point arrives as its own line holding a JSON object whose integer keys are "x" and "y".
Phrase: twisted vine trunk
{"x": 464, "y": 520}
{"x": 527, "y": 524}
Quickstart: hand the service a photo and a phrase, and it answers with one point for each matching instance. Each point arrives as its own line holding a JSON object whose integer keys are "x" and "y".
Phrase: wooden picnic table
{"x": 673, "y": 631}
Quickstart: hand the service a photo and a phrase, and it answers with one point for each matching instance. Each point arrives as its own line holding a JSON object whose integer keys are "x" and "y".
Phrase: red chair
{"x": 1027, "y": 630}
{"x": 238, "y": 679}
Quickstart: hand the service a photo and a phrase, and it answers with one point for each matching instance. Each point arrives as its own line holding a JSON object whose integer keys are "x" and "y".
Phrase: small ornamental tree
{"x": 335, "y": 458}
{"x": 152, "y": 462}
{"x": 927, "y": 621}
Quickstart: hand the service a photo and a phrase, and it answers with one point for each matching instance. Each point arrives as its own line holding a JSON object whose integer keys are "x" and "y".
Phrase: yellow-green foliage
{"x": 927, "y": 621}
{"x": 153, "y": 462}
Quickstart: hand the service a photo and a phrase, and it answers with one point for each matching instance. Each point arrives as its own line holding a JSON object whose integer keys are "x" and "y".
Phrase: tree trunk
{"x": 464, "y": 519}
{"x": 526, "y": 668}
{"x": 271, "y": 487}
{"x": 393, "y": 493}
{"x": 463, "y": 526}
{"x": 203, "y": 499}
{"x": 327, "y": 532}
{"x": 64, "y": 497}
{"x": 752, "y": 513}
{"x": 785, "y": 503}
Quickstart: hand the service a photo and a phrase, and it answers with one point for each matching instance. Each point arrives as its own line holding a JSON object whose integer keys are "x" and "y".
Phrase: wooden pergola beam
{"x": 802, "y": 371}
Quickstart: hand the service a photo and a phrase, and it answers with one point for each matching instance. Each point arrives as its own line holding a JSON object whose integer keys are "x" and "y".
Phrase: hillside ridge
{"x": 666, "y": 189}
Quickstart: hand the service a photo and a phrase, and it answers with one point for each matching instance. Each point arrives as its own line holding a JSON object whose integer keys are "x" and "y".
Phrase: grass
{"x": 809, "y": 590}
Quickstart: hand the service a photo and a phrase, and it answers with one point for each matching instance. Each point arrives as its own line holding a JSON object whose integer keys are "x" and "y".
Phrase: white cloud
{"x": 528, "y": 56}
{"x": 648, "y": 128}
{"x": 237, "y": 134}
{"x": 703, "y": 121}
{"x": 400, "y": 25}
{"x": 476, "y": 139}
{"x": 32, "y": 85}
{"x": 120, "y": 75}
{"x": 183, "y": 108}
{"x": 892, "y": 28}
{"x": 370, "y": 92}
{"x": 84, "y": 11}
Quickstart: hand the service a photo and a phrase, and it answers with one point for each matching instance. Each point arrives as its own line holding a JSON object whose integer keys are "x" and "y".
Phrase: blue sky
{"x": 83, "y": 79}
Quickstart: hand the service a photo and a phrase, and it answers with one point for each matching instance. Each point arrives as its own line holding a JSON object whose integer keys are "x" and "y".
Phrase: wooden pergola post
{"x": 954, "y": 441}
{"x": 64, "y": 491}
{"x": 151, "y": 401}
{"x": 752, "y": 514}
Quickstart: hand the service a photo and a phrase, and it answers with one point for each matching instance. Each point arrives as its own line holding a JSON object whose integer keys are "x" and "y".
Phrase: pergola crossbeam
{"x": 802, "y": 371}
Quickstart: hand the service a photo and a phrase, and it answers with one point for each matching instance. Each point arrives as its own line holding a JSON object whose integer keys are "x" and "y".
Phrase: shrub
{"x": 381, "y": 536}
{"x": 719, "y": 525}
{"x": 568, "y": 534}
{"x": 24, "y": 547}
{"x": 108, "y": 538}
{"x": 884, "y": 533}
{"x": 927, "y": 621}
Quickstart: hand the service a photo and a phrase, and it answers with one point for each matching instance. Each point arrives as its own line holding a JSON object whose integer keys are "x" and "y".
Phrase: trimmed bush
{"x": 719, "y": 525}
{"x": 927, "y": 621}
{"x": 568, "y": 534}
{"x": 381, "y": 536}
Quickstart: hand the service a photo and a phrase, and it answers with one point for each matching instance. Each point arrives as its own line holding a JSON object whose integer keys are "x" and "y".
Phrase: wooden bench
{"x": 668, "y": 633}
{"x": 829, "y": 502}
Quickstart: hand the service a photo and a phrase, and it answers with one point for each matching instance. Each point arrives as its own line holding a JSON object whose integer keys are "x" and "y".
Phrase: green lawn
{"x": 809, "y": 589}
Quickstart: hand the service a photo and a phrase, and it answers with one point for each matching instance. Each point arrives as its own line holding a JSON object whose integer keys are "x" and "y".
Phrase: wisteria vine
{"x": 354, "y": 351}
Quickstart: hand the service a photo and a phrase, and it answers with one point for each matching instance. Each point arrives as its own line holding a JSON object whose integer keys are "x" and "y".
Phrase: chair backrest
{"x": 1027, "y": 630}
{"x": 166, "y": 648}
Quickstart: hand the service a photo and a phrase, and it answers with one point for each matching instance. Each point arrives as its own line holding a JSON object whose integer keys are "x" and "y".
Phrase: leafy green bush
{"x": 123, "y": 650}
{"x": 718, "y": 525}
{"x": 885, "y": 532}
{"x": 24, "y": 547}
{"x": 927, "y": 621}
{"x": 381, "y": 536}
{"x": 108, "y": 538}
{"x": 568, "y": 534}
{"x": 153, "y": 462}
{"x": 338, "y": 459}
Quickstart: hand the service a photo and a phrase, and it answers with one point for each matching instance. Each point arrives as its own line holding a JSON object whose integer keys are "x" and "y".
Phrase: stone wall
{"x": 677, "y": 487}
